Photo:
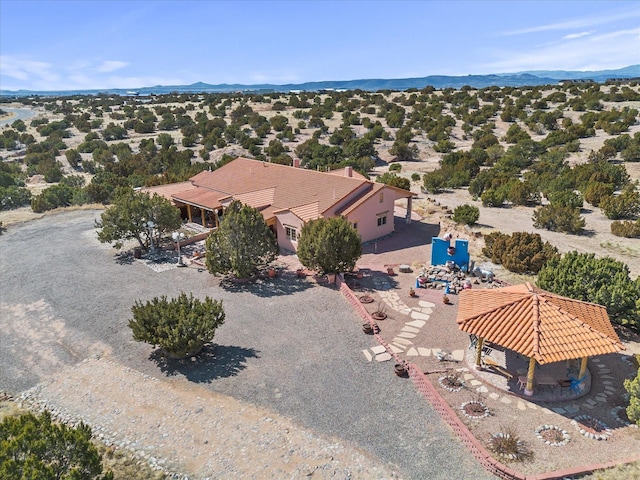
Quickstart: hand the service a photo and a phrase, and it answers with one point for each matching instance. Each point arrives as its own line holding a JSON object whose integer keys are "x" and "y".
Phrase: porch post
{"x": 204, "y": 222}
{"x": 528, "y": 391}
{"x": 479, "y": 353}
{"x": 189, "y": 213}
{"x": 583, "y": 368}
{"x": 408, "y": 215}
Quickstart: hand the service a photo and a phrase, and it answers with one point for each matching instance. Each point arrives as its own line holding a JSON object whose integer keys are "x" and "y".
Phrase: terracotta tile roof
{"x": 169, "y": 189}
{"x": 293, "y": 186}
{"x": 257, "y": 199}
{"x": 307, "y": 212}
{"x": 200, "y": 197}
{"x": 375, "y": 188}
{"x": 537, "y": 323}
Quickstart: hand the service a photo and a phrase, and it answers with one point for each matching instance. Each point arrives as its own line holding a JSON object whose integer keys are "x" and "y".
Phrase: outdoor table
{"x": 544, "y": 380}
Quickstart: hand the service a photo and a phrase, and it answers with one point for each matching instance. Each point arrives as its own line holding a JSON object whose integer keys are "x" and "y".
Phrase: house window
{"x": 382, "y": 219}
{"x": 291, "y": 233}
{"x": 355, "y": 226}
{"x": 381, "y": 197}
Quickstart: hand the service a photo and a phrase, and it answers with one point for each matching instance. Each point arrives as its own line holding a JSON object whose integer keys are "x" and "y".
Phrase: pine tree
{"x": 331, "y": 245}
{"x": 242, "y": 244}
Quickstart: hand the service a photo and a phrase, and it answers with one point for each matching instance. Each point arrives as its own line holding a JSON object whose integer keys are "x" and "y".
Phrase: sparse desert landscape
{"x": 110, "y": 137}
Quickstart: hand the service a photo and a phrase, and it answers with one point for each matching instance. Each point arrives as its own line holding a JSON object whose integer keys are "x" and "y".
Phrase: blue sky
{"x": 63, "y": 45}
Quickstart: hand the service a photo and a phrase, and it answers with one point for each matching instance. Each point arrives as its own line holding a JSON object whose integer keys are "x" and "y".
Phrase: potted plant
{"x": 412, "y": 292}
{"x": 380, "y": 313}
{"x": 445, "y": 299}
{"x": 390, "y": 271}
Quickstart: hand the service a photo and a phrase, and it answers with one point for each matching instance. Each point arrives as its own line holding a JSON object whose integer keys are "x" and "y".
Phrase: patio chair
{"x": 576, "y": 385}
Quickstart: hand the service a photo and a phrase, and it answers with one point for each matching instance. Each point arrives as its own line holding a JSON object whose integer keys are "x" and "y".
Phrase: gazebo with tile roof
{"x": 542, "y": 326}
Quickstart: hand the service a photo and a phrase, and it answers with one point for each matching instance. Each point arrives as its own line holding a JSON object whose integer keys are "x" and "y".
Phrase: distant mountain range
{"x": 520, "y": 79}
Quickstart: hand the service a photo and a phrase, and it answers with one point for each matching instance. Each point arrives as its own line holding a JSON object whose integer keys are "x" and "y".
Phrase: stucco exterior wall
{"x": 287, "y": 219}
{"x": 366, "y": 216}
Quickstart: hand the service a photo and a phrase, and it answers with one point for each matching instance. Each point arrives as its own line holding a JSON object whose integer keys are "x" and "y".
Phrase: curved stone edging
{"x": 565, "y": 435}
{"x": 605, "y": 431}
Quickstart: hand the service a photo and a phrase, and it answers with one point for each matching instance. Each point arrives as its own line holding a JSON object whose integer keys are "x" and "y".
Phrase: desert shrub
{"x": 604, "y": 280}
{"x": 623, "y": 206}
{"x": 520, "y": 252}
{"x": 395, "y": 167}
{"x": 180, "y": 326}
{"x": 35, "y": 447}
{"x": 633, "y": 387}
{"x": 331, "y": 245}
{"x": 415, "y": 177}
{"x": 507, "y": 444}
{"x": 14, "y": 197}
{"x": 566, "y": 198}
{"x": 626, "y": 228}
{"x": 52, "y": 197}
{"x": 394, "y": 180}
{"x": 493, "y": 197}
{"x": 467, "y": 214}
{"x": 558, "y": 219}
{"x": 597, "y": 191}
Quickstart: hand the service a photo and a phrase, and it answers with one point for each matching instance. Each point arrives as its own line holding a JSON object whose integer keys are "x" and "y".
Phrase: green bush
{"x": 180, "y": 326}
{"x": 520, "y": 252}
{"x": 14, "y": 197}
{"x": 623, "y": 206}
{"x": 467, "y": 214}
{"x": 395, "y": 167}
{"x": 36, "y": 448}
{"x": 626, "y": 228}
{"x": 605, "y": 281}
{"x": 633, "y": 387}
{"x": 558, "y": 219}
{"x": 566, "y": 198}
{"x": 331, "y": 245}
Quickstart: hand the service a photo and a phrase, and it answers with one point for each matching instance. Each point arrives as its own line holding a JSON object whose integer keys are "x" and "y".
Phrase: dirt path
{"x": 187, "y": 429}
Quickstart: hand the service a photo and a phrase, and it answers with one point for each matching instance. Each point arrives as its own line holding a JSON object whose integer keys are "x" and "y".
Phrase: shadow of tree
{"x": 215, "y": 361}
{"x": 285, "y": 284}
{"x": 124, "y": 258}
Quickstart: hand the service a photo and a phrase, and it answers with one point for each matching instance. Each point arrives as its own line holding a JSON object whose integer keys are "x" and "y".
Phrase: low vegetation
{"x": 180, "y": 327}
{"x": 330, "y": 245}
{"x": 36, "y": 447}
{"x": 520, "y": 252}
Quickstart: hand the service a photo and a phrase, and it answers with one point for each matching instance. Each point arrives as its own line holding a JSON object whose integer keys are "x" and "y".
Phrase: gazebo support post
{"x": 189, "y": 213}
{"x": 583, "y": 368}
{"x": 528, "y": 391}
{"x": 479, "y": 353}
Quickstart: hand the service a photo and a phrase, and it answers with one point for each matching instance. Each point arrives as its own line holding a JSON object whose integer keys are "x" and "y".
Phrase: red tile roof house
{"x": 288, "y": 197}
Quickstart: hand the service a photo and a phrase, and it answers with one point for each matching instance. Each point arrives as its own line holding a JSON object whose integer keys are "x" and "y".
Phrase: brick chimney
{"x": 348, "y": 171}
{"x": 296, "y": 163}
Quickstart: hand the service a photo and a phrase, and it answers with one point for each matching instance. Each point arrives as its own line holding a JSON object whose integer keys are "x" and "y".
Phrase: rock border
{"x": 565, "y": 436}
{"x": 604, "y": 435}
{"x": 483, "y": 415}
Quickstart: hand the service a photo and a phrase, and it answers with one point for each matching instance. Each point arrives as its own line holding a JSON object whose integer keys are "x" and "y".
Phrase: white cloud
{"x": 23, "y": 68}
{"x": 578, "y": 23}
{"x": 25, "y": 73}
{"x": 111, "y": 66}
{"x": 590, "y": 52}
{"x": 571, "y": 36}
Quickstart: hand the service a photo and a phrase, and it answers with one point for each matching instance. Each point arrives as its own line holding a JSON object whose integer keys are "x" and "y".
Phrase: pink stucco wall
{"x": 287, "y": 218}
{"x": 366, "y": 216}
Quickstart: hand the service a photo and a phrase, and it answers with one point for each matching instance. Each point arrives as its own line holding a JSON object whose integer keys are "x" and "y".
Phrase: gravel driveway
{"x": 288, "y": 345}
